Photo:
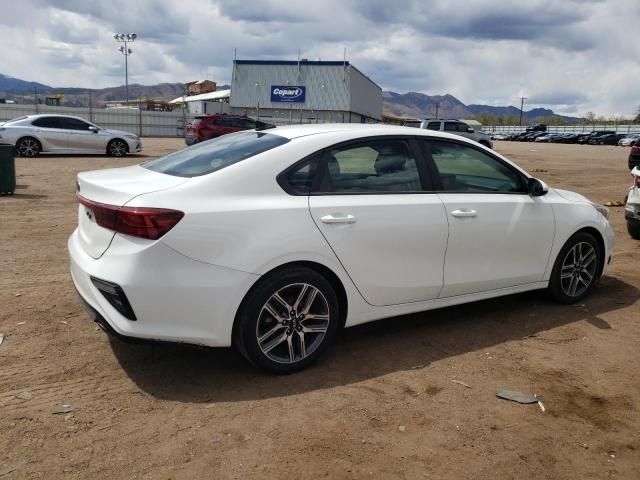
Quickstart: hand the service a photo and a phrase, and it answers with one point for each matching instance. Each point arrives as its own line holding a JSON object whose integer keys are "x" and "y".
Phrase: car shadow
{"x": 195, "y": 374}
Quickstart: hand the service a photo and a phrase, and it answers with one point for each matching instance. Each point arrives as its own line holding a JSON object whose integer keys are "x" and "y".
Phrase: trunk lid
{"x": 114, "y": 186}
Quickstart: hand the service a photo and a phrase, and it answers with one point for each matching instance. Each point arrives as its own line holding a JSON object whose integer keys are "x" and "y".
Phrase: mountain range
{"x": 403, "y": 105}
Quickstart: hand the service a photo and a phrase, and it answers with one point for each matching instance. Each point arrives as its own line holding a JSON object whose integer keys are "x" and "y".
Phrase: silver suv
{"x": 457, "y": 127}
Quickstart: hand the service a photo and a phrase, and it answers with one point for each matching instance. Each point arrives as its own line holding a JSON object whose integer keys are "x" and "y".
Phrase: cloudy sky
{"x": 571, "y": 56}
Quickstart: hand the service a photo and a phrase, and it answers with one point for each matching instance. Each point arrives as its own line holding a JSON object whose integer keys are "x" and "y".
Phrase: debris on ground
{"x": 13, "y": 468}
{"x": 402, "y": 428}
{"x": 24, "y": 395}
{"x": 21, "y": 323}
{"x": 540, "y": 404}
{"x": 516, "y": 396}
{"x": 416, "y": 367}
{"x": 63, "y": 409}
{"x": 18, "y": 294}
{"x": 613, "y": 203}
{"x": 461, "y": 383}
{"x": 1, "y": 338}
{"x": 538, "y": 170}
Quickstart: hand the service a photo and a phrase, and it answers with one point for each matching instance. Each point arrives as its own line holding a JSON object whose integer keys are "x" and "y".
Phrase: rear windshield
{"x": 206, "y": 157}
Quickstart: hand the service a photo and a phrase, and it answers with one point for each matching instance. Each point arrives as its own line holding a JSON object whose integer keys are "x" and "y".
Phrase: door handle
{"x": 338, "y": 218}
{"x": 464, "y": 213}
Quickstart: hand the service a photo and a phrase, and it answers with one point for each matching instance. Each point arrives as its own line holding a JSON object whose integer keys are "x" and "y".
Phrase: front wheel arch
{"x": 117, "y": 140}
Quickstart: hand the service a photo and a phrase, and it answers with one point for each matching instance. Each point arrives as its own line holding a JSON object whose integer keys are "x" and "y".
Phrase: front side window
{"x": 74, "y": 124}
{"x": 216, "y": 154}
{"x": 450, "y": 126}
{"x": 370, "y": 167}
{"x": 433, "y": 126}
{"x": 465, "y": 169}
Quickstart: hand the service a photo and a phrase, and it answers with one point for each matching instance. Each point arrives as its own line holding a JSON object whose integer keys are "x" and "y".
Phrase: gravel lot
{"x": 381, "y": 404}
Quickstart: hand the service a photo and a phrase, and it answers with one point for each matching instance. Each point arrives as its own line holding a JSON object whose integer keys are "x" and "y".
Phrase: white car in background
{"x": 453, "y": 126}
{"x": 272, "y": 240}
{"x": 629, "y": 140}
{"x": 46, "y": 133}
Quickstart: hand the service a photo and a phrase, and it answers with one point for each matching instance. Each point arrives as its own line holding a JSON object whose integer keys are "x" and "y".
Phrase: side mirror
{"x": 470, "y": 130}
{"x": 93, "y": 129}
{"x": 537, "y": 188}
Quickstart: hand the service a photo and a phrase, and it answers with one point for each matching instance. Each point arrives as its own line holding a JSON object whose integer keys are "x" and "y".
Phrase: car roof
{"x": 41, "y": 115}
{"x": 358, "y": 129}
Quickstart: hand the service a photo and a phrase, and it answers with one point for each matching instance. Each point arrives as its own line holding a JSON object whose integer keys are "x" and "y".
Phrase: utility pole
{"x": 522, "y": 99}
{"x": 437, "y": 108}
{"x": 35, "y": 97}
{"x": 124, "y": 38}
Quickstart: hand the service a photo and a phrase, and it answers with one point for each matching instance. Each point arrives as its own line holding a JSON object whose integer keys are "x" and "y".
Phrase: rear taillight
{"x": 151, "y": 223}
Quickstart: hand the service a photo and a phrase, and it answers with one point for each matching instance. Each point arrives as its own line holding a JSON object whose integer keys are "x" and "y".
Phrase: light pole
{"x": 522, "y": 99}
{"x": 126, "y": 51}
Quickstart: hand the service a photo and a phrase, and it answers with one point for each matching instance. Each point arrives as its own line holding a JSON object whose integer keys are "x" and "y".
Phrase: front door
{"x": 386, "y": 230}
{"x": 499, "y": 236}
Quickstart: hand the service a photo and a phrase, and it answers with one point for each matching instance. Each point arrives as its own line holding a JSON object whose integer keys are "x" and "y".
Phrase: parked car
{"x": 567, "y": 138}
{"x": 548, "y": 138}
{"x": 588, "y": 137}
{"x": 634, "y": 157}
{"x": 539, "y": 127}
{"x": 273, "y": 240}
{"x": 629, "y": 140}
{"x": 632, "y": 206}
{"x": 608, "y": 139}
{"x": 499, "y": 136}
{"x": 46, "y": 133}
{"x": 457, "y": 127}
{"x": 206, "y": 127}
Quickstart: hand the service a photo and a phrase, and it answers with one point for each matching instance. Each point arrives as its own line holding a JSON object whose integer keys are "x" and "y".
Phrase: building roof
{"x": 220, "y": 94}
{"x": 290, "y": 62}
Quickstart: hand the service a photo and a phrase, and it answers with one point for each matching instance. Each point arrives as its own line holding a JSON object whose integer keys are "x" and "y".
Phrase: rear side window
{"x": 47, "y": 122}
{"x": 433, "y": 126}
{"x": 216, "y": 154}
{"x": 370, "y": 167}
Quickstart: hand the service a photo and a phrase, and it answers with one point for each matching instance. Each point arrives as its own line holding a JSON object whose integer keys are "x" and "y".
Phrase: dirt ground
{"x": 380, "y": 404}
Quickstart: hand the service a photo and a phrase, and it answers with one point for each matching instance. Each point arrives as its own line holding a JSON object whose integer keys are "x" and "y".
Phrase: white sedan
{"x": 273, "y": 240}
{"x": 47, "y": 133}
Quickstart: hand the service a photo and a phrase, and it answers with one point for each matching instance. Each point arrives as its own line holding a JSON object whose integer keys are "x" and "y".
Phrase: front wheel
{"x": 287, "y": 320}
{"x": 576, "y": 269}
{"x": 117, "y": 148}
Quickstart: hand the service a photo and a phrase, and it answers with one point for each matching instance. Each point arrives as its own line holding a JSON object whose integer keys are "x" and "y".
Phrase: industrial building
{"x": 282, "y": 92}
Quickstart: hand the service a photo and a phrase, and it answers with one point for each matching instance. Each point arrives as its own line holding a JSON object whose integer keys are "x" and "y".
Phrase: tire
{"x": 28, "y": 147}
{"x": 117, "y": 148}
{"x": 271, "y": 334}
{"x": 633, "y": 227}
{"x": 577, "y": 269}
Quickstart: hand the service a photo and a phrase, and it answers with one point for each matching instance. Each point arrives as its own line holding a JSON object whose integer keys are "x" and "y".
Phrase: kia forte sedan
{"x": 273, "y": 240}
{"x": 35, "y": 134}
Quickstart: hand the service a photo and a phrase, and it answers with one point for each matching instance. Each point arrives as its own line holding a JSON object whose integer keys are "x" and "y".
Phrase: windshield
{"x": 207, "y": 157}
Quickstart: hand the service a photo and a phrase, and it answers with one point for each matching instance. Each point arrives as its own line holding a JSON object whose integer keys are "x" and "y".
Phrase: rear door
{"x": 52, "y": 134}
{"x": 371, "y": 200}
{"x": 499, "y": 236}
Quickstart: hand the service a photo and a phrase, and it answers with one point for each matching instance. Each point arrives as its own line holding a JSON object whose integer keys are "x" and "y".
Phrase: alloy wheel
{"x": 292, "y": 323}
{"x": 117, "y": 148}
{"x": 578, "y": 269}
{"x": 28, "y": 148}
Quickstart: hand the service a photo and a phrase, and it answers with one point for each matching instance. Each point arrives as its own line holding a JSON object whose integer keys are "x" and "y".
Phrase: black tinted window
{"x": 450, "y": 127}
{"x": 465, "y": 169}
{"x": 433, "y": 126}
{"x": 375, "y": 166}
{"x": 73, "y": 124}
{"x": 47, "y": 122}
{"x": 212, "y": 155}
{"x": 300, "y": 179}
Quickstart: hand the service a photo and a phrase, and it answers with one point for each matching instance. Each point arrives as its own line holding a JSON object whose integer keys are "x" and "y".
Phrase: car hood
{"x": 572, "y": 196}
{"x": 118, "y": 132}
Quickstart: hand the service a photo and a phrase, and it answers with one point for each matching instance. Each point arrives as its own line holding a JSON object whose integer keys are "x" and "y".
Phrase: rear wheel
{"x": 287, "y": 320}
{"x": 28, "y": 147}
{"x": 117, "y": 148}
{"x": 633, "y": 227}
{"x": 576, "y": 269}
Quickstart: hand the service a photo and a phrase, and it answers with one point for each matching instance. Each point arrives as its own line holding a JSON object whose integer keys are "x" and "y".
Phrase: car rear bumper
{"x": 174, "y": 298}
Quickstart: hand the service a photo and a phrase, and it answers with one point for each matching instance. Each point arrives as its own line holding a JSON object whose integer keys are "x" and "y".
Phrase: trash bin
{"x": 7, "y": 169}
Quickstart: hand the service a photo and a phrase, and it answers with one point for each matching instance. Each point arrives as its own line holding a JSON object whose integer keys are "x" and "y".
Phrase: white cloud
{"x": 570, "y": 56}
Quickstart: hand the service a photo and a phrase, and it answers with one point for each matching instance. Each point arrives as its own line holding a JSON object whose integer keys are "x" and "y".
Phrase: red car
{"x": 207, "y": 127}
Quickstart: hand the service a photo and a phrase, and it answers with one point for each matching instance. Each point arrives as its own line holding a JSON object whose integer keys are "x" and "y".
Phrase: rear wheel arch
{"x": 323, "y": 270}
